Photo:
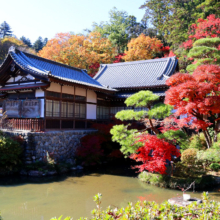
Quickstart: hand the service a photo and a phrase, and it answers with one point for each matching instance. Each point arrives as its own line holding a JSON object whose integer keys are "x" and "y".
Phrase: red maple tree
{"x": 209, "y": 27}
{"x": 154, "y": 154}
{"x": 196, "y": 96}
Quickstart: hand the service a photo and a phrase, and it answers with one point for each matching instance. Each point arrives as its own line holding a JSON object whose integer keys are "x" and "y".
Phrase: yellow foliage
{"x": 142, "y": 48}
{"x": 7, "y": 42}
{"x": 79, "y": 51}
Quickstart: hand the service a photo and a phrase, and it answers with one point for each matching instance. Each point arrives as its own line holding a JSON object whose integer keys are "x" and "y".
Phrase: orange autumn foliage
{"x": 80, "y": 51}
{"x": 142, "y": 48}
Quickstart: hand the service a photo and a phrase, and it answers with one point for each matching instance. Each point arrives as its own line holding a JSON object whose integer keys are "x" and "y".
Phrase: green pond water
{"x": 25, "y": 198}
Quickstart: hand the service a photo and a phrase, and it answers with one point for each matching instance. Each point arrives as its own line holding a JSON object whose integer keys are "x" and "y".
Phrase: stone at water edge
{"x": 23, "y": 173}
{"x": 79, "y": 167}
{"x": 35, "y": 173}
{"x": 51, "y": 173}
{"x": 180, "y": 202}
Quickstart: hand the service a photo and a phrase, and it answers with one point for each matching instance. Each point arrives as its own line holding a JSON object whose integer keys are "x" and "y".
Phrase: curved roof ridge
{"x": 52, "y": 61}
{"x": 26, "y": 65}
{"x": 140, "y": 61}
{"x": 32, "y": 63}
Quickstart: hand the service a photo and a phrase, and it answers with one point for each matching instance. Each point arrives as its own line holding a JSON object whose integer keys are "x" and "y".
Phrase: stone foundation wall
{"x": 61, "y": 144}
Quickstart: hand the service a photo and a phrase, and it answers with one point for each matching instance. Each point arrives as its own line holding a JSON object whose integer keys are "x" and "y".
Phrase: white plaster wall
{"x": 91, "y": 96}
{"x": 54, "y": 87}
{"x": 39, "y": 93}
{"x": 80, "y": 91}
{"x": 91, "y": 111}
{"x": 68, "y": 89}
{"x": 11, "y": 79}
{"x": 42, "y": 108}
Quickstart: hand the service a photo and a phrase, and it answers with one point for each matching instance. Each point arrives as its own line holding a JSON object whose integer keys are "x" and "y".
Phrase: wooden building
{"x": 39, "y": 94}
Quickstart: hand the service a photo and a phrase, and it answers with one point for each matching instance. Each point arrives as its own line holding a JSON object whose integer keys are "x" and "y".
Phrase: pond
{"x": 25, "y": 198}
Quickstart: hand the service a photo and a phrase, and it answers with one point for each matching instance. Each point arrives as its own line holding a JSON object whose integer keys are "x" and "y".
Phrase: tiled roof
{"x": 146, "y": 73}
{"x": 41, "y": 67}
{"x": 125, "y": 95}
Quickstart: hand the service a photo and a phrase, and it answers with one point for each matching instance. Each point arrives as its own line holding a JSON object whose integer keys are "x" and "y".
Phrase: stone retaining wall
{"x": 62, "y": 144}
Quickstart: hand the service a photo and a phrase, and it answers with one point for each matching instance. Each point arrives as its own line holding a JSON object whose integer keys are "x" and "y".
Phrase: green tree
{"x": 116, "y": 29}
{"x": 126, "y": 137}
{"x": 5, "y": 30}
{"x": 39, "y": 44}
{"x": 172, "y": 18}
{"x": 204, "y": 51}
{"x": 26, "y": 41}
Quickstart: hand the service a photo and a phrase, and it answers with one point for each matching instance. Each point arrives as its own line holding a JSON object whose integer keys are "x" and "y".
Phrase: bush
{"x": 208, "y": 156}
{"x": 90, "y": 151}
{"x": 154, "y": 179}
{"x": 198, "y": 142}
{"x": 151, "y": 210}
{"x": 215, "y": 167}
{"x": 189, "y": 156}
{"x": 10, "y": 154}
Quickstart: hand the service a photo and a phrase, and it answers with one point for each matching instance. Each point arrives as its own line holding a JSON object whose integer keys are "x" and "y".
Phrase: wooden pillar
{"x": 74, "y": 107}
{"x": 61, "y": 85}
{"x": 86, "y": 110}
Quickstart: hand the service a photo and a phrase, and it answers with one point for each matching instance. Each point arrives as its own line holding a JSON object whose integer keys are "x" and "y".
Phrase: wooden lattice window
{"x": 102, "y": 112}
{"x": 52, "y": 108}
{"x": 80, "y": 110}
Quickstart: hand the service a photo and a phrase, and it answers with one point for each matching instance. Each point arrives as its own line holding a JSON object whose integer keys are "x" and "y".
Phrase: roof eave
{"x": 90, "y": 87}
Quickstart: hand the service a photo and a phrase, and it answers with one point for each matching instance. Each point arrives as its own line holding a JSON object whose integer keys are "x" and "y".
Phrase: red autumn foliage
{"x": 209, "y": 27}
{"x": 154, "y": 154}
{"x": 90, "y": 149}
{"x": 196, "y": 95}
{"x": 119, "y": 58}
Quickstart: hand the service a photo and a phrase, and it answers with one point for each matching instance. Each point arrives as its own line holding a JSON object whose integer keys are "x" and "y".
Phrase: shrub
{"x": 151, "y": 210}
{"x": 197, "y": 142}
{"x": 208, "y": 156}
{"x": 90, "y": 149}
{"x": 189, "y": 156}
{"x": 10, "y": 154}
{"x": 215, "y": 167}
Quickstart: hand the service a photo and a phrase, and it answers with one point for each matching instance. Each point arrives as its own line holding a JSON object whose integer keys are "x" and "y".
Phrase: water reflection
{"x": 24, "y": 198}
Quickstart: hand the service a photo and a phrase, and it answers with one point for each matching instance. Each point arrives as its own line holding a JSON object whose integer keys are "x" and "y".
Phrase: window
{"x": 52, "y": 108}
{"x": 70, "y": 110}
{"x": 53, "y": 94}
{"x": 63, "y": 109}
{"x": 67, "y": 109}
{"x": 80, "y": 98}
{"x": 102, "y": 112}
{"x": 67, "y": 96}
{"x": 80, "y": 110}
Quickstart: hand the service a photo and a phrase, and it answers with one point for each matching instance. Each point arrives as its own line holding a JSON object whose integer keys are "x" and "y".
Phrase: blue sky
{"x": 34, "y": 18}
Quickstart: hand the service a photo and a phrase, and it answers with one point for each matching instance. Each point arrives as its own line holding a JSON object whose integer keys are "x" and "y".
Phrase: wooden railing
{"x": 22, "y": 124}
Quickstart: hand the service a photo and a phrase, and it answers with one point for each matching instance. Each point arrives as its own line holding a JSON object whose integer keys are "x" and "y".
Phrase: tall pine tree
{"x": 5, "y": 30}
{"x": 26, "y": 41}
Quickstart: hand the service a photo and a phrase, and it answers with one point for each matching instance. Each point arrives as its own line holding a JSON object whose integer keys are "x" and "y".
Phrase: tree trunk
{"x": 153, "y": 128}
{"x": 207, "y": 139}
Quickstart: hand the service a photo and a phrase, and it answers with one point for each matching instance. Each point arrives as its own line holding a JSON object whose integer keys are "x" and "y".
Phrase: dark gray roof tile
{"x": 135, "y": 74}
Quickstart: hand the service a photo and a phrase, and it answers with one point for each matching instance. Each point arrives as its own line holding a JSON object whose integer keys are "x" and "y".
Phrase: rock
{"x": 79, "y": 167}
{"x": 52, "y": 173}
{"x": 35, "y": 173}
{"x": 63, "y": 170}
{"x": 180, "y": 202}
{"x": 23, "y": 173}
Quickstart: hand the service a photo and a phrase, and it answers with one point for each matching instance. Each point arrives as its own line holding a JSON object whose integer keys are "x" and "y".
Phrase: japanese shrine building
{"x": 40, "y": 94}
